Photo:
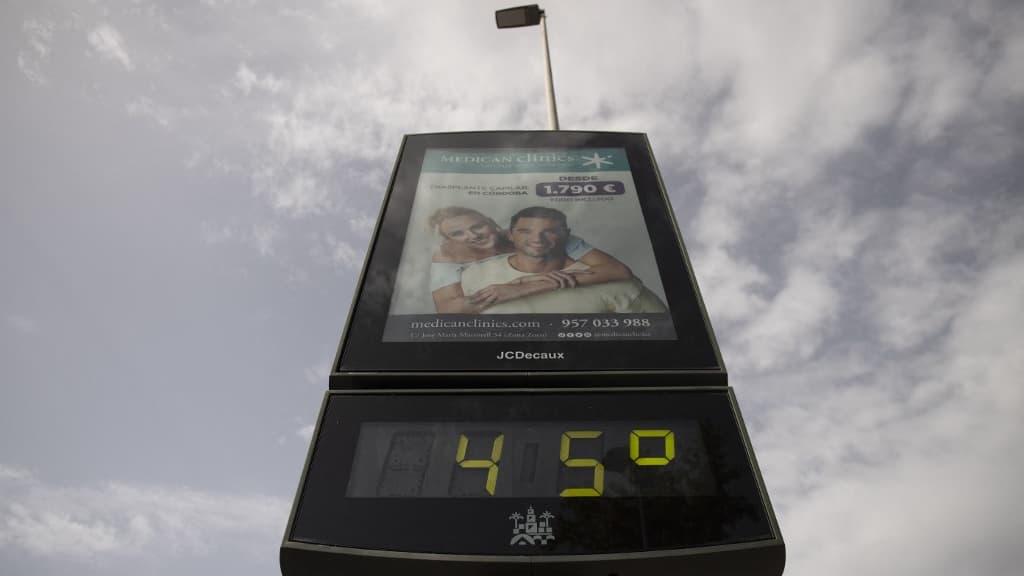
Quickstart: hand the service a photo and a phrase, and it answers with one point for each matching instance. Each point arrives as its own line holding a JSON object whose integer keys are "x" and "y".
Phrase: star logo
{"x": 596, "y": 160}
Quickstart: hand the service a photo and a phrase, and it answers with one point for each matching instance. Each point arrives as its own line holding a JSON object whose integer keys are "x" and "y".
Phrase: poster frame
{"x": 363, "y": 359}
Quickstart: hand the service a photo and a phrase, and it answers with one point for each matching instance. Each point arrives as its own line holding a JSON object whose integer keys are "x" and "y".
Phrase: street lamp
{"x": 531, "y": 16}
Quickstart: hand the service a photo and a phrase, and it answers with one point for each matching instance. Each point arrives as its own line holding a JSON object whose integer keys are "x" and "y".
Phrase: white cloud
{"x": 730, "y": 285}
{"x": 30, "y": 67}
{"x": 107, "y": 42}
{"x": 917, "y": 284}
{"x": 216, "y": 234}
{"x": 246, "y": 80}
{"x": 362, "y": 223}
{"x": 983, "y": 348}
{"x": 145, "y": 107}
{"x": 870, "y": 315}
{"x": 22, "y": 324}
{"x": 797, "y": 101}
{"x": 786, "y": 82}
{"x": 966, "y": 532}
{"x": 306, "y": 432}
{"x": 1005, "y": 81}
{"x": 829, "y": 235}
{"x": 10, "y": 473}
{"x": 944, "y": 77}
{"x": 39, "y": 34}
{"x": 100, "y": 523}
{"x": 265, "y": 237}
{"x": 318, "y": 373}
{"x": 860, "y": 94}
{"x": 792, "y": 326}
{"x": 906, "y": 469}
{"x": 342, "y": 253}
{"x": 301, "y": 195}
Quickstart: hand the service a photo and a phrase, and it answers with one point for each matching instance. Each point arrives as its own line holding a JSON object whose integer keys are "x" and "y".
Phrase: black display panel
{"x": 367, "y": 486}
{"x": 581, "y": 459}
{"x": 526, "y": 251}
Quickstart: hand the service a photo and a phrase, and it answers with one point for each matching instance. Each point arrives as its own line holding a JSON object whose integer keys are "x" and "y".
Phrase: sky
{"x": 189, "y": 190}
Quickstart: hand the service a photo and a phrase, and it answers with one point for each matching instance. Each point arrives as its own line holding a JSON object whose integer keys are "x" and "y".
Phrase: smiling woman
{"x": 467, "y": 235}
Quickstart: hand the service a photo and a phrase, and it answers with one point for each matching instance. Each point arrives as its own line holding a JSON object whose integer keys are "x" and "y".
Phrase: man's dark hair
{"x": 539, "y": 212}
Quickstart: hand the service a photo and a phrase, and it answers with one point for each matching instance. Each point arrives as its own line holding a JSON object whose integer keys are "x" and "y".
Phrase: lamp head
{"x": 518, "y": 16}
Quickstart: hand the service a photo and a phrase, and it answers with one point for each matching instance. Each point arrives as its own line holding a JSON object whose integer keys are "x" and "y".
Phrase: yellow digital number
{"x": 491, "y": 465}
{"x": 634, "y": 447}
{"x": 598, "y": 488}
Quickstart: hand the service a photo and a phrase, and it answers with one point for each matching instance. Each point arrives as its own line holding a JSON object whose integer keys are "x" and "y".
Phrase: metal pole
{"x": 550, "y": 83}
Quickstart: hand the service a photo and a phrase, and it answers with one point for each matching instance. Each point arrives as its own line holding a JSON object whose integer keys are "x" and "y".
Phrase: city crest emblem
{"x": 528, "y": 531}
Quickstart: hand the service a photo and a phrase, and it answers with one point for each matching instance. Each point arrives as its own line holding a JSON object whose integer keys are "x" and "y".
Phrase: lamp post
{"x": 532, "y": 15}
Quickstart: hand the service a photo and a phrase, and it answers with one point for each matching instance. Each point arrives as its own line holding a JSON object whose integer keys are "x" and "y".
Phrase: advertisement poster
{"x": 527, "y": 245}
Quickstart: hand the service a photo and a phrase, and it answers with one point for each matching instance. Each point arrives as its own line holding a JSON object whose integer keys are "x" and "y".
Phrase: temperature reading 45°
{"x": 581, "y": 459}
{"x": 520, "y": 458}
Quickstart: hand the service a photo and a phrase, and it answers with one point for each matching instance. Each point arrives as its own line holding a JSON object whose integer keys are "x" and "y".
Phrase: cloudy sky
{"x": 189, "y": 189}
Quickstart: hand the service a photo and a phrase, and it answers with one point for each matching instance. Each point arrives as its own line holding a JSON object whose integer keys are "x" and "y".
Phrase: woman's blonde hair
{"x": 442, "y": 214}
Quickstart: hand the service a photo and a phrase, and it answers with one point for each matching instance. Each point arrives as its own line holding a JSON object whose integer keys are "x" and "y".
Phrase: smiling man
{"x": 540, "y": 277}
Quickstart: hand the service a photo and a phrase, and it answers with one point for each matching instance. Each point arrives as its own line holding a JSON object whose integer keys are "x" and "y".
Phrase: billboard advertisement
{"x": 527, "y": 244}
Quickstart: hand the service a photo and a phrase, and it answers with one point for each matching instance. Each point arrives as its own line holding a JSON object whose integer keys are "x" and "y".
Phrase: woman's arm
{"x": 498, "y": 293}
{"x": 602, "y": 267}
{"x": 450, "y": 300}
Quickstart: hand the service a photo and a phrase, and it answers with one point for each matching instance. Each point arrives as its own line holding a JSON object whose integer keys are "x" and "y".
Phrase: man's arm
{"x": 601, "y": 267}
{"x": 498, "y": 293}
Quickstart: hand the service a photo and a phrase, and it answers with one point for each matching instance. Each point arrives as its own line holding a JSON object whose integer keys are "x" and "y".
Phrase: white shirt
{"x": 618, "y": 296}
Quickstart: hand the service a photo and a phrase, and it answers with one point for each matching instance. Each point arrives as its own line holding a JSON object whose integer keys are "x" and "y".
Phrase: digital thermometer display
{"x": 595, "y": 459}
{"x": 519, "y": 473}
